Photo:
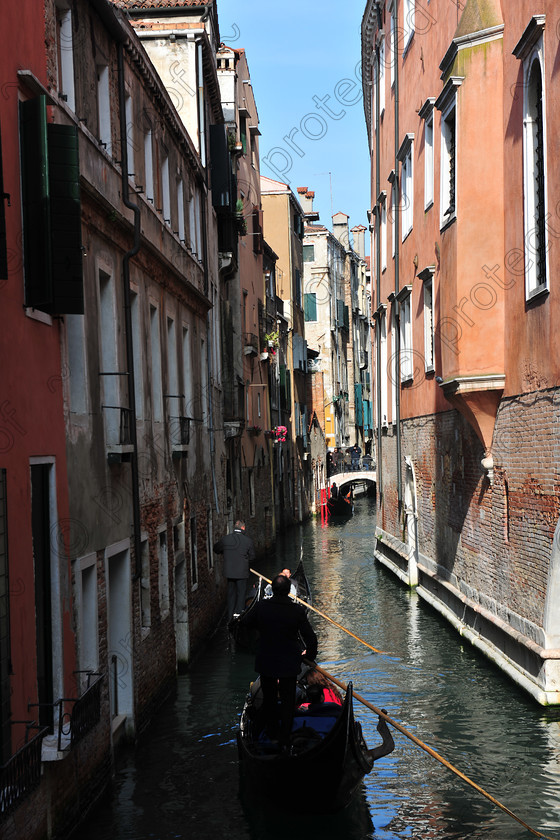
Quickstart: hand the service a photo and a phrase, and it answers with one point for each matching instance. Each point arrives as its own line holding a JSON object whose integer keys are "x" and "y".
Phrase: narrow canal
{"x": 182, "y": 780}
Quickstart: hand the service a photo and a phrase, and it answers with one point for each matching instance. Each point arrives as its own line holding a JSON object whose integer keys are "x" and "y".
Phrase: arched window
{"x": 534, "y": 178}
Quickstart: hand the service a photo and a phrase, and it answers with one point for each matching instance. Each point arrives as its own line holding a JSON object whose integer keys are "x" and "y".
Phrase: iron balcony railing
{"x": 21, "y": 774}
{"x": 85, "y": 713}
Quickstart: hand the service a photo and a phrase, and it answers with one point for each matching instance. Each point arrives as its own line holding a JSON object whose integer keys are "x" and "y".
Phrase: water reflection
{"x": 182, "y": 780}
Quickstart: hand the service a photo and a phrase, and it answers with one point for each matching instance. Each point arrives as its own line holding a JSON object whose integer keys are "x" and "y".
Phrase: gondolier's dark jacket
{"x": 239, "y": 553}
{"x": 280, "y": 623}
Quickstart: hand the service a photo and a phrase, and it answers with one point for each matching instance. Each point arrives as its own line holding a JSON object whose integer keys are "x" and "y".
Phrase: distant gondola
{"x": 246, "y": 637}
{"x": 341, "y": 505}
{"x": 326, "y": 761}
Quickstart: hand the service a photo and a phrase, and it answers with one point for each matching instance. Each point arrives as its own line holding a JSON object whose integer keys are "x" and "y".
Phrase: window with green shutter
{"x": 52, "y": 239}
{"x": 309, "y": 253}
{"x": 310, "y": 306}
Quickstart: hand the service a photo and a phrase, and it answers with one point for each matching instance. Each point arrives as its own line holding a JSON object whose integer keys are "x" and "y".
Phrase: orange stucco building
{"x": 460, "y": 105}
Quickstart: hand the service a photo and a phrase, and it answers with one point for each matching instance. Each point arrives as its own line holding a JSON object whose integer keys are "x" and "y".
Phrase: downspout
{"x": 209, "y": 333}
{"x": 396, "y": 222}
{"x": 128, "y": 317}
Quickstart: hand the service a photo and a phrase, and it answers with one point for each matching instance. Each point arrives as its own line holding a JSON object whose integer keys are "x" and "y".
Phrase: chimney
{"x": 340, "y": 228}
{"x": 359, "y": 240}
{"x": 306, "y": 200}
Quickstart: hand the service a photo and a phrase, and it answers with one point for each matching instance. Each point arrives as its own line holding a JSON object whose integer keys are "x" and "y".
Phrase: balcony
{"x": 21, "y": 775}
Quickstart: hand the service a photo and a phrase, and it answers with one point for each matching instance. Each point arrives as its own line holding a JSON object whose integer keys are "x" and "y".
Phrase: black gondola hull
{"x": 323, "y": 777}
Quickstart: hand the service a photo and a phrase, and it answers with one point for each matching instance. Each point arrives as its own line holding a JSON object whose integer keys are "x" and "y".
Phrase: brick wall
{"x": 495, "y": 538}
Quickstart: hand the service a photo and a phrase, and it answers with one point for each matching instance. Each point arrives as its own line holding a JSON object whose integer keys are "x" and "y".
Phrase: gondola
{"x": 246, "y": 637}
{"x": 341, "y": 505}
{"x": 325, "y": 763}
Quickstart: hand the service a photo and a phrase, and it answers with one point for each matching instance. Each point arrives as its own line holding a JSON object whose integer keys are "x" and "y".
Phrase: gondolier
{"x": 281, "y": 624}
{"x": 239, "y": 553}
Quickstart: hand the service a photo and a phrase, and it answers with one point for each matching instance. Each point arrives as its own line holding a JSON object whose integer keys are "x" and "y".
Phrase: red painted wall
{"x": 31, "y": 401}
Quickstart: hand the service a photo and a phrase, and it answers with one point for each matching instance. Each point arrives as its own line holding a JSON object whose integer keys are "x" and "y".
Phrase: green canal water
{"x": 182, "y": 780}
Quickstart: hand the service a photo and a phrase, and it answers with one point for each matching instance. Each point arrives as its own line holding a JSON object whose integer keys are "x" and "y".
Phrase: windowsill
{"x": 429, "y": 205}
{"x": 145, "y": 632}
{"x": 408, "y": 44}
{"x": 194, "y": 587}
{"x": 407, "y": 234}
{"x": 539, "y": 292}
{"x": 430, "y": 369}
{"x": 406, "y": 380}
{"x": 37, "y": 315}
{"x": 447, "y": 223}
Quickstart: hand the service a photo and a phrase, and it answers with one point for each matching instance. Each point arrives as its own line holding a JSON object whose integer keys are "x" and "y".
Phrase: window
{"x": 173, "y": 400}
{"x": 448, "y": 165}
{"x": 383, "y": 366}
{"x": 427, "y": 114}
{"x": 428, "y": 325}
{"x": 129, "y": 137}
{"x": 534, "y": 171}
{"x": 108, "y": 359}
{"x": 204, "y": 395}
{"x": 181, "y": 232}
{"x": 76, "y": 361}
{"x": 187, "y": 373}
{"x": 408, "y": 21}
{"x": 392, "y": 42}
{"x": 209, "y": 539}
{"x": 405, "y": 327}
{"x": 383, "y": 235}
{"x": 201, "y": 105}
{"x": 155, "y": 351}
{"x": 165, "y": 196}
{"x": 145, "y": 590}
{"x": 407, "y": 187}
{"x": 51, "y": 212}
{"x": 446, "y": 104}
{"x": 194, "y": 553}
{"x": 87, "y": 611}
{"x": 309, "y": 253}
{"x": 163, "y": 557}
{"x": 310, "y": 306}
{"x": 65, "y": 56}
{"x": 298, "y": 287}
{"x": 104, "y": 107}
{"x": 148, "y": 165}
{"x": 393, "y": 218}
{"x": 137, "y": 348}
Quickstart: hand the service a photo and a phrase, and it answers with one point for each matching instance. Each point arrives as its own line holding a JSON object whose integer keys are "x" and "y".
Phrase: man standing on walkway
{"x": 239, "y": 553}
{"x": 281, "y": 624}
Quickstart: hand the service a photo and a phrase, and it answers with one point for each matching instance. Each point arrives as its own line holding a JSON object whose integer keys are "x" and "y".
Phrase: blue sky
{"x": 304, "y": 62}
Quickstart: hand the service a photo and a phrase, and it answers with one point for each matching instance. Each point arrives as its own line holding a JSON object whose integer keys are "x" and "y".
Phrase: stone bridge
{"x": 353, "y": 477}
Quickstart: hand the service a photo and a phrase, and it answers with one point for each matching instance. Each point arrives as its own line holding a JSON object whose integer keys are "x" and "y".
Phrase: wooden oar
{"x": 427, "y": 749}
{"x": 332, "y": 621}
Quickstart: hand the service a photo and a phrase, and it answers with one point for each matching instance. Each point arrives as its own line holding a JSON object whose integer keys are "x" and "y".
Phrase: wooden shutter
{"x": 66, "y": 220}
{"x": 35, "y": 200}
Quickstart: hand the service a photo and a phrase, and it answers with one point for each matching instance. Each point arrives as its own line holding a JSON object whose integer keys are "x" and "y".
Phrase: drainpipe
{"x": 209, "y": 333}
{"x": 127, "y": 315}
{"x": 397, "y": 277}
